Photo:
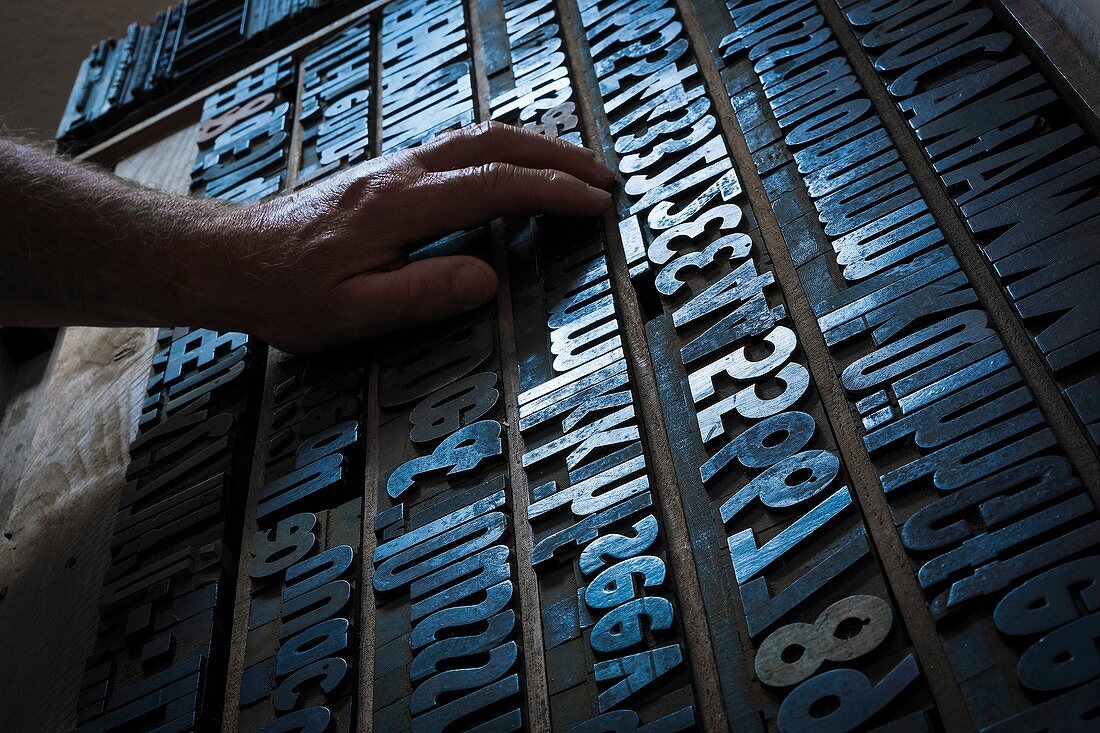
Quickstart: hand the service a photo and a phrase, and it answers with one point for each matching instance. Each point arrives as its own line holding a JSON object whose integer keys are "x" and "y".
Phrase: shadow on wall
{"x": 41, "y": 46}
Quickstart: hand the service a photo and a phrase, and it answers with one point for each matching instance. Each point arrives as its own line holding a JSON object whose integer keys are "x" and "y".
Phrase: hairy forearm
{"x": 79, "y": 246}
{"x": 305, "y": 271}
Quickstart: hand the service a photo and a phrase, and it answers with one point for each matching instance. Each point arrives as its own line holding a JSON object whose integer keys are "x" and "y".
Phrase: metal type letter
{"x": 763, "y": 444}
{"x": 1051, "y": 599}
{"x": 461, "y": 452}
{"x": 762, "y": 611}
{"x": 615, "y": 546}
{"x": 270, "y": 548}
{"x": 454, "y": 406}
{"x": 847, "y": 630}
{"x": 323, "y": 640}
{"x": 858, "y": 699}
{"x": 634, "y": 672}
{"x": 795, "y": 479}
{"x": 749, "y": 559}
{"x": 325, "y": 673}
{"x": 1064, "y": 658}
{"x": 615, "y": 585}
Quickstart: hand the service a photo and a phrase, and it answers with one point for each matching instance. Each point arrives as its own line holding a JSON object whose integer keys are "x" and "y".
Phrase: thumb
{"x": 420, "y": 292}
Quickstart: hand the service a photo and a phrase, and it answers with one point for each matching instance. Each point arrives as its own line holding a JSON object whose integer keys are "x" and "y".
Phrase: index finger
{"x": 496, "y": 142}
{"x": 451, "y": 200}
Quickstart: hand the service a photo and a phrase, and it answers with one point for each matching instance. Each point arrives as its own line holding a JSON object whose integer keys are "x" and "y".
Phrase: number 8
{"x": 848, "y": 629}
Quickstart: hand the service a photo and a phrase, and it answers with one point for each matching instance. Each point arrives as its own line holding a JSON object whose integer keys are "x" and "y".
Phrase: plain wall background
{"x": 42, "y": 43}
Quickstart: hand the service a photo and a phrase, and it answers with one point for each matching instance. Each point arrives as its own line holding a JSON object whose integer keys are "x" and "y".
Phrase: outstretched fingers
{"x": 496, "y": 142}
{"x": 453, "y": 200}
{"x": 420, "y": 292}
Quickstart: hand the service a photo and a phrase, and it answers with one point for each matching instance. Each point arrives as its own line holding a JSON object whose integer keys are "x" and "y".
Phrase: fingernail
{"x": 599, "y": 194}
{"x": 604, "y": 168}
{"x": 471, "y": 286}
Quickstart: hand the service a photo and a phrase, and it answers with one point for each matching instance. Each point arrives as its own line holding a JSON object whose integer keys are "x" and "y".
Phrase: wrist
{"x": 210, "y": 286}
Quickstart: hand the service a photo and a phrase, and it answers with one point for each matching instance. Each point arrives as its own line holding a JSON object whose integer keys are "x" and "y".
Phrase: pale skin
{"x": 307, "y": 271}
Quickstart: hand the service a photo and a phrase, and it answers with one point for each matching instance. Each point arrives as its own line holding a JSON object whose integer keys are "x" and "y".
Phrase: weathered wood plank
{"x": 64, "y": 458}
{"x": 20, "y": 407}
{"x": 165, "y": 164}
{"x": 61, "y": 519}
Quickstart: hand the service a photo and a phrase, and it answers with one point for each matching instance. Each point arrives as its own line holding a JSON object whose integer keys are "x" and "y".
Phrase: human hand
{"x": 326, "y": 265}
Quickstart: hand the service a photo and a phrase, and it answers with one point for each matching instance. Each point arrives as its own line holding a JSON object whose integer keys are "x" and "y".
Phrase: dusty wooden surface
{"x": 22, "y": 406}
{"x": 54, "y": 550}
{"x": 64, "y": 452}
{"x": 164, "y": 164}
